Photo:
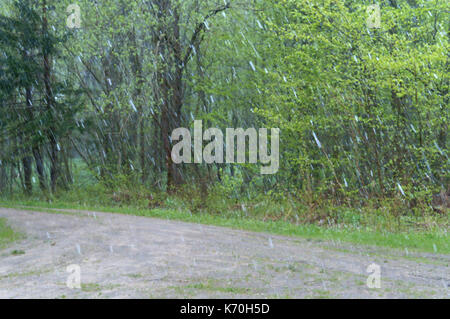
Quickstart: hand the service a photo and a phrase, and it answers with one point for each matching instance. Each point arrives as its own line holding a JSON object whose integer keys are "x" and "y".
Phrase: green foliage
{"x": 7, "y": 234}
{"x": 363, "y": 112}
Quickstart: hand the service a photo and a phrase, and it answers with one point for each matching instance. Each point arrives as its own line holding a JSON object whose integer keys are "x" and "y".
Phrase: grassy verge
{"x": 436, "y": 241}
{"x": 7, "y": 234}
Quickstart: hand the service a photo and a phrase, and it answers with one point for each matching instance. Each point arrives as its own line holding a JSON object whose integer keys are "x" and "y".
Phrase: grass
{"x": 393, "y": 256}
{"x": 95, "y": 287}
{"x": 387, "y": 224}
{"x": 7, "y": 234}
{"x": 424, "y": 241}
{"x": 16, "y": 252}
{"x": 321, "y": 294}
{"x": 211, "y": 285}
{"x": 91, "y": 287}
{"x": 26, "y": 273}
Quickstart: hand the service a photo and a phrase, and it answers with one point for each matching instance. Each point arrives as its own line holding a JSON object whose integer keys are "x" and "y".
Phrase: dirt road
{"x": 122, "y": 256}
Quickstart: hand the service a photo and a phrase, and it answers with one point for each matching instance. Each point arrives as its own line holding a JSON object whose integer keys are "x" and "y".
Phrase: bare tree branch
{"x": 199, "y": 28}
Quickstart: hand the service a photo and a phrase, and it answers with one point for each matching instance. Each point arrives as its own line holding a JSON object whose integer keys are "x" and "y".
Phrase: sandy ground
{"x": 122, "y": 256}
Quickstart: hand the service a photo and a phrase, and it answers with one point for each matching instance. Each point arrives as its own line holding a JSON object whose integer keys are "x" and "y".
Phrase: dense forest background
{"x": 362, "y": 111}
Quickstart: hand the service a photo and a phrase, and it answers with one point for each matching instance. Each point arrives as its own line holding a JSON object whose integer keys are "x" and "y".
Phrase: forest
{"x": 91, "y": 91}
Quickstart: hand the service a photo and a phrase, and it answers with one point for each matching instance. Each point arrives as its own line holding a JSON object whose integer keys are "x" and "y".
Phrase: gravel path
{"x": 122, "y": 256}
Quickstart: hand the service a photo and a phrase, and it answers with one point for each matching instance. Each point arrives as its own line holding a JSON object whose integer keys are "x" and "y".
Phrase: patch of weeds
{"x": 94, "y": 287}
{"x": 17, "y": 252}
{"x": 282, "y": 296}
{"x": 25, "y": 274}
{"x": 213, "y": 286}
{"x": 360, "y": 283}
{"x": 135, "y": 276}
{"x": 321, "y": 294}
{"x": 395, "y": 254}
{"x": 294, "y": 268}
{"x": 90, "y": 287}
{"x": 7, "y": 234}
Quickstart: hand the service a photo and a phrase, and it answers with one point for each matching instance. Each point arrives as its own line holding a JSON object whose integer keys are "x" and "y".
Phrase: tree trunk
{"x": 3, "y": 177}
{"x": 137, "y": 67}
{"x": 169, "y": 81}
{"x": 27, "y": 160}
{"x": 51, "y": 131}
{"x": 27, "y": 172}
{"x": 40, "y": 168}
